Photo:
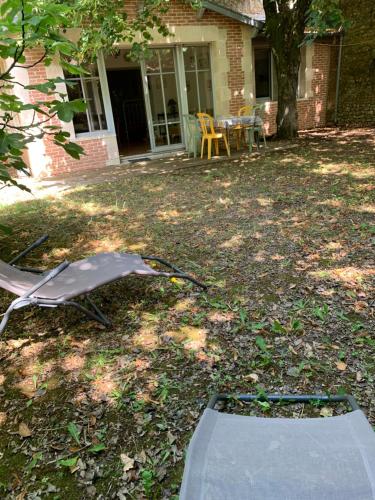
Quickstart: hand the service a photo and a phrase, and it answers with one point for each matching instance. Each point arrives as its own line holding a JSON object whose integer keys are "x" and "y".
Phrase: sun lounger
{"x": 60, "y": 286}
{"x": 235, "y": 457}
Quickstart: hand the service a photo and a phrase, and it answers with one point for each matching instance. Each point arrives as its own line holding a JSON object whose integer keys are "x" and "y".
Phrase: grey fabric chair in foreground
{"x": 234, "y": 457}
{"x": 67, "y": 281}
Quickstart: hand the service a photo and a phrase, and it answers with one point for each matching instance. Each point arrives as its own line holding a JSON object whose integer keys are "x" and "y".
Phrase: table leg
{"x": 251, "y": 138}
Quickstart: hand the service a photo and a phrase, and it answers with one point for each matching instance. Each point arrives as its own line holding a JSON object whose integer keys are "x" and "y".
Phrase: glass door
{"x": 162, "y": 99}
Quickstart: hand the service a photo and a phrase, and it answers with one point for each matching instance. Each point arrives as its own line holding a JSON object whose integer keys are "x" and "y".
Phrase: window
{"x": 263, "y": 73}
{"x": 302, "y": 90}
{"x": 198, "y": 79}
{"x": 88, "y": 88}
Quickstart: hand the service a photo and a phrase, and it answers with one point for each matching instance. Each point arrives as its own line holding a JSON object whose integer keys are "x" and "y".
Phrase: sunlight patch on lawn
{"x": 235, "y": 241}
{"x": 191, "y": 337}
{"x": 184, "y": 304}
{"x": 349, "y": 275}
{"x": 265, "y": 202}
{"x": 146, "y": 338}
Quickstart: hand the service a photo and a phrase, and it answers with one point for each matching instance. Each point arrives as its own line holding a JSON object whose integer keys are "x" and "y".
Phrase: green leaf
{"x": 261, "y": 343}
{"x": 74, "y": 432}
{"x": 277, "y": 327}
{"x": 68, "y": 462}
{"x": 74, "y": 150}
{"x": 96, "y": 448}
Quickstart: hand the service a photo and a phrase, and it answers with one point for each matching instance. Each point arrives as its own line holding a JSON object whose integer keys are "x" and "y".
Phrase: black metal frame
{"x": 93, "y": 312}
{"x": 295, "y": 398}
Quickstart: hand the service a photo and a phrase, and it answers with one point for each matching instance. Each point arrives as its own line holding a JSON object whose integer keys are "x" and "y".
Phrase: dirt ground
{"x": 284, "y": 239}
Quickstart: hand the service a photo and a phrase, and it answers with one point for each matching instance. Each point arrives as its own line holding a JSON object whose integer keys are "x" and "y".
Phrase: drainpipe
{"x": 338, "y": 78}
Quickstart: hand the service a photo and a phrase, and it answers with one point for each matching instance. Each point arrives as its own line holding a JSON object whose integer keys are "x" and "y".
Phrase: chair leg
{"x": 96, "y": 316}
{"x": 226, "y": 144}
{"x": 238, "y": 138}
{"x": 264, "y": 139}
{"x": 202, "y": 147}
{"x": 251, "y": 139}
{"x": 216, "y": 147}
{"x": 16, "y": 304}
{"x": 209, "y": 145}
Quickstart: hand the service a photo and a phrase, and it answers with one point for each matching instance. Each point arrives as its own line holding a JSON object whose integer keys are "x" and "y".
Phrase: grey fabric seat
{"x": 233, "y": 457}
{"x": 70, "y": 280}
{"x": 80, "y": 277}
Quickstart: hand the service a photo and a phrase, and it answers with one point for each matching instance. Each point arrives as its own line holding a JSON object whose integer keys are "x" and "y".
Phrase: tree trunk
{"x": 287, "y": 87}
{"x": 285, "y": 27}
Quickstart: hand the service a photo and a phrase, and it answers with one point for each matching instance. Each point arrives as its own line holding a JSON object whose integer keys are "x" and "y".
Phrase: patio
{"x": 286, "y": 241}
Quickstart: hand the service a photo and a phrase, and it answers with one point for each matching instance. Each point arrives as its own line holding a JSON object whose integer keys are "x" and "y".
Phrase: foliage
{"x": 105, "y": 23}
{"x": 27, "y": 25}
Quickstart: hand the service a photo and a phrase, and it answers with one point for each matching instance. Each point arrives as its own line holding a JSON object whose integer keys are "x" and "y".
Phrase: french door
{"x": 176, "y": 81}
{"x": 163, "y": 99}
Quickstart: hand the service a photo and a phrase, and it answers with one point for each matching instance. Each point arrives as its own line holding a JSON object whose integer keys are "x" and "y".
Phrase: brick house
{"x": 216, "y": 61}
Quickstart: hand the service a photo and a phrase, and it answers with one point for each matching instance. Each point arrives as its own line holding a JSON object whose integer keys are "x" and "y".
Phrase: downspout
{"x": 338, "y": 78}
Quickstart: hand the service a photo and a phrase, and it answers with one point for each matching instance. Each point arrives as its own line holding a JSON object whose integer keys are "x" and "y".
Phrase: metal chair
{"x": 192, "y": 133}
{"x": 67, "y": 281}
{"x": 235, "y": 457}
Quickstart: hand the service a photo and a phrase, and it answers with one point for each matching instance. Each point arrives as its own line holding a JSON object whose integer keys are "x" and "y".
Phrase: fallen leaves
{"x": 340, "y": 365}
{"x": 326, "y": 412}
{"x": 127, "y": 462}
{"x": 23, "y": 430}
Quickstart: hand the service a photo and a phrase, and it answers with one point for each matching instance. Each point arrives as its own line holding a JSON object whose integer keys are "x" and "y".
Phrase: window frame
{"x": 107, "y": 108}
{"x": 196, "y": 71}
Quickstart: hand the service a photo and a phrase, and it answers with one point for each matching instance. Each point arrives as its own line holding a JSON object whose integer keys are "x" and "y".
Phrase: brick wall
{"x": 55, "y": 160}
{"x": 357, "y": 77}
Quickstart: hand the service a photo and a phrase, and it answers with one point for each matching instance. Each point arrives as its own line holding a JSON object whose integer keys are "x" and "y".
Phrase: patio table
{"x": 230, "y": 122}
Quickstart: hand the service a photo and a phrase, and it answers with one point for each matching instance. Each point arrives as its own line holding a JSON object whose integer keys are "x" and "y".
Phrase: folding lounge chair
{"x": 235, "y": 457}
{"x": 67, "y": 281}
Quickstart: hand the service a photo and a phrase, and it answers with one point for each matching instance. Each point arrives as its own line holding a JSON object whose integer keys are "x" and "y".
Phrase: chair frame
{"x": 193, "y": 134}
{"x": 93, "y": 312}
{"x": 240, "y": 129}
{"x": 292, "y": 398}
{"x": 211, "y": 136}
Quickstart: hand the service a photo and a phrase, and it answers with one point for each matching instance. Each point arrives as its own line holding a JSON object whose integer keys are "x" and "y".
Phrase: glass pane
{"x": 156, "y": 98}
{"x": 205, "y": 92}
{"x": 174, "y": 130}
{"x": 262, "y": 72}
{"x": 170, "y": 94}
{"x": 160, "y": 133}
{"x": 167, "y": 60}
{"x": 189, "y": 58}
{"x": 94, "y": 101}
{"x": 80, "y": 120}
{"x": 152, "y": 63}
{"x": 192, "y": 93}
{"x": 203, "y": 57}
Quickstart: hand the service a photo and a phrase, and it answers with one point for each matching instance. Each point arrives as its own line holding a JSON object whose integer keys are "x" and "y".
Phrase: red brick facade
{"x": 312, "y": 110}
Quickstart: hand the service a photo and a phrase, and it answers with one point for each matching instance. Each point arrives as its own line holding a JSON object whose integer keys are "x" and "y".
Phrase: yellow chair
{"x": 240, "y": 129}
{"x": 208, "y": 134}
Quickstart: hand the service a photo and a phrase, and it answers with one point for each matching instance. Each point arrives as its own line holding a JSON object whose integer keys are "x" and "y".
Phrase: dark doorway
{"x": 129, "y": 113}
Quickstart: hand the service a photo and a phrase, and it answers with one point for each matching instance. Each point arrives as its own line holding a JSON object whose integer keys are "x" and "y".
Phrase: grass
{"x": 286, "y": 242}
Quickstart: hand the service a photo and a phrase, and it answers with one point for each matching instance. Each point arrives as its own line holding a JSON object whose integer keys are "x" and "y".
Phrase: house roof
{"x": 243, "y": 13}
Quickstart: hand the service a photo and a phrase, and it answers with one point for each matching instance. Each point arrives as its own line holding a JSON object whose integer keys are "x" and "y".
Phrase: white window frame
{"x": 103, "y": 82}
{"x": 273, "y": 80}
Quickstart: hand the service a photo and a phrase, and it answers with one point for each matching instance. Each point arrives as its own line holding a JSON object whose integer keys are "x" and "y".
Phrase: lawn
{"x": 286, "y": 242}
